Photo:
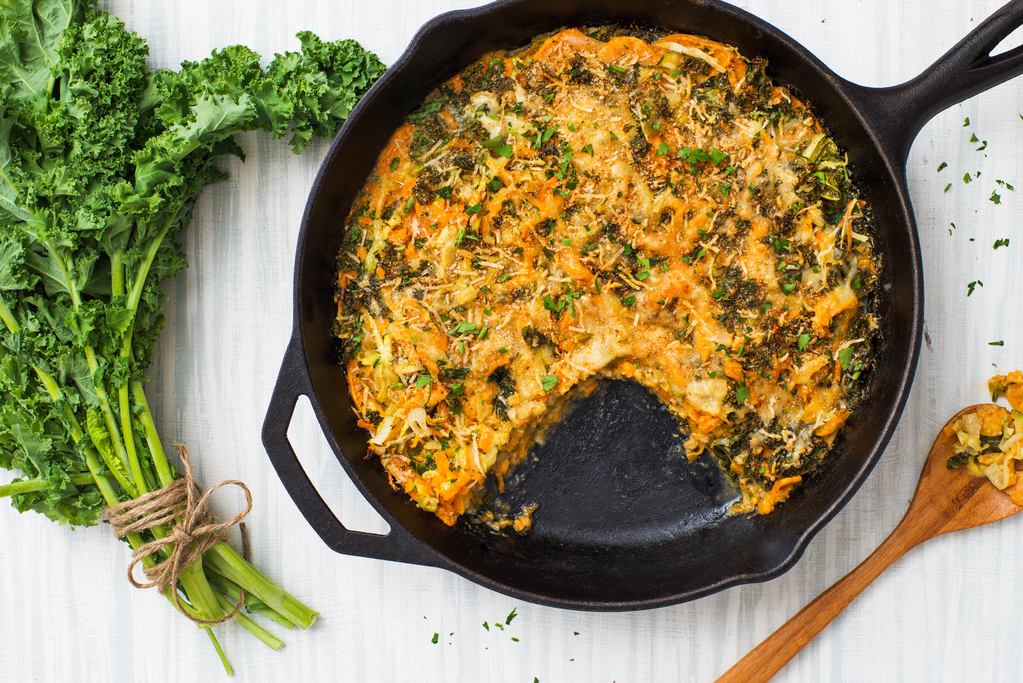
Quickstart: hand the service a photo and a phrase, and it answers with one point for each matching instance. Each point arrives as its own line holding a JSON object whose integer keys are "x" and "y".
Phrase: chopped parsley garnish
{"x": 804, "y": 341}
{"x": 475, "y": 208}
{"x": 436, "y": 637}
{"x": 942, "y": 166}
{"x": 662, "y": 149}
{"x": 844, "y": 356}
{"x": 548, "y": 382}
{"x": 970, "y": 287}
{"x": 997, "y": 343}
{"x": 741, "y": 393}
{"x": 1001, "y": 243}
{"x": 464, "y": 327}
{"x": 423, "y": 380}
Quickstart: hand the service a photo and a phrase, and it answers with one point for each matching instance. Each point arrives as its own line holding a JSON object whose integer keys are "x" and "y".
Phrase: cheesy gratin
{"x": 600, "y": 205}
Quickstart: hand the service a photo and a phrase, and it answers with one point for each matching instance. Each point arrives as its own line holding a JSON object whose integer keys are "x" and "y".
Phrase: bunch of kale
{"x": 101, "y": 163}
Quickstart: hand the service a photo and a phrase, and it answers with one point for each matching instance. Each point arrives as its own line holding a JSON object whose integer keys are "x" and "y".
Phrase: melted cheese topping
{"x": 590, "y": 208}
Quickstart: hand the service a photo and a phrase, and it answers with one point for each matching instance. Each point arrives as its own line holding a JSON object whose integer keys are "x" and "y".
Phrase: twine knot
{"x": 194, "y": 530}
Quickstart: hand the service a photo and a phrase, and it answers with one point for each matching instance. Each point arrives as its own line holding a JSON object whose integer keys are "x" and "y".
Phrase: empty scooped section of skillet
{"x": 658, "y": 552}
{"x": 614, "y": 473}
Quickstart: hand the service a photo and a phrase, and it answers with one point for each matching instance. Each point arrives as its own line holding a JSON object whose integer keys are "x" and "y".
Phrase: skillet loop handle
{"x": 294, "y": 381}
{"x": 898, "y": 113}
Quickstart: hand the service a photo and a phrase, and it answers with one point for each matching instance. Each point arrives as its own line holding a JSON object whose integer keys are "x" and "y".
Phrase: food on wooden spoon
{"x": 991, "y": 437}
{"x": 598, "y": 206}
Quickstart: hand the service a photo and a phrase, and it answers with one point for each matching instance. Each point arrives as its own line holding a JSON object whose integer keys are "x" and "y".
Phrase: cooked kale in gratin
{"x": 599, "y": 206}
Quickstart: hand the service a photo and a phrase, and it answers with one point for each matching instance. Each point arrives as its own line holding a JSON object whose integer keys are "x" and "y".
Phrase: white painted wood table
{"x": 949, "y": 611}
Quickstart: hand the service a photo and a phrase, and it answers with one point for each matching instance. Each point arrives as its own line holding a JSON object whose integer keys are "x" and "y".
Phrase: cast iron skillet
{"x": 624, "y": 522}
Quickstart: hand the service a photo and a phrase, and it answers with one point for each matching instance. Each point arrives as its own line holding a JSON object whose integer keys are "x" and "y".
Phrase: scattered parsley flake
{"x": 662, "y": 149}
{"x": 997, "y": 343}
{"x": 547, "y": 382}
{"x": 844, "y": 356}
{"x": 1001, "y": 243}
{"x": 971, "y": 286}
{"x": 974, "y": 138}
{"x": 741, "y": 393}
{"x": 948, "y": 187}
{"x": 967, "y": 179}
{"x": 464, "y": 327}
{"x": 486, "y": 625}
{"x": 942, "y": 166}
{"x": 995, "y": 197}
{"x": 475, "y": 208}
{"x": 966, "y": 122}
{"x": 436, "y": 637}
{"x": 423, "y": 380}
{"x": 804, "y": 341}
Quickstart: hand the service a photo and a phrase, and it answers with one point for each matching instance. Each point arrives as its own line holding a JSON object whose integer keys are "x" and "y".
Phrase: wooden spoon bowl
{"x": 945, "y": 500}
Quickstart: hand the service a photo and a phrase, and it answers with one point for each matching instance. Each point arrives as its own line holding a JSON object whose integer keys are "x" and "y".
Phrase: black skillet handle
{"x": 293, "y": 381}
{"x": 898, "y": 113}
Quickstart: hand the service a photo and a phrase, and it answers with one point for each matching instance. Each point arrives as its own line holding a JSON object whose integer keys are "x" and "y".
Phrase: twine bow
{"x": 194, "y": 530}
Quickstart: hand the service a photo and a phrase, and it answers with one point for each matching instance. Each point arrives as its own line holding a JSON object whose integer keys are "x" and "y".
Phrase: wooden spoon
{"x": 945, "y": 500}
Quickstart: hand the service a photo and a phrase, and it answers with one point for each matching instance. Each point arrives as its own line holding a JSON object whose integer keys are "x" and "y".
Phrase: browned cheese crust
{"x": 599, "y": 206}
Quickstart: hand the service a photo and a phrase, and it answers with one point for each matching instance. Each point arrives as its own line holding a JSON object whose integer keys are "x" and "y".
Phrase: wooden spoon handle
{"x": 766, "y": 659}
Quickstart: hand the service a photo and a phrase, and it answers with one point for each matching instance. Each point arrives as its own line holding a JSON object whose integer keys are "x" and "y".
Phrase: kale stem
{"x": 154, "y": 246}
{"x": 117, "y": 273}
{"x": 234, "y": 567}
{"x": 129, "y": 440}
{"x": 198, "y": 590}
{"x": 30, "y": 485}
{"x": 220, "y": 651}
{"x": 231, "y": 590}
{"x": 8, "y": 317}
{"x": 104, "y": 485}
{"x": 163, "y": 468}
{"x": 271, "y": 641}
